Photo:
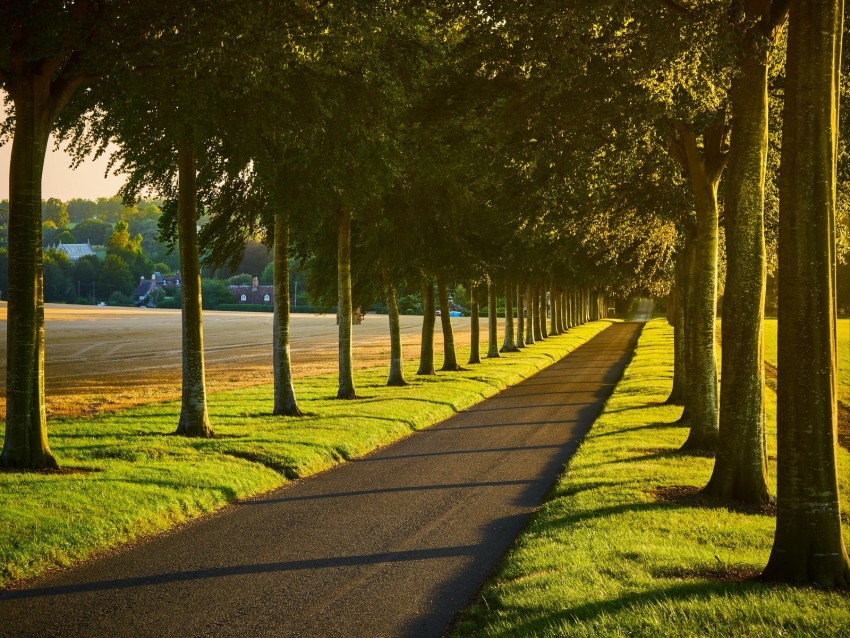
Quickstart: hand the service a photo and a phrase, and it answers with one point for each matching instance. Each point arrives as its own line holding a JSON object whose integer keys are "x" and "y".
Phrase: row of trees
{"x": 392, "y": 144}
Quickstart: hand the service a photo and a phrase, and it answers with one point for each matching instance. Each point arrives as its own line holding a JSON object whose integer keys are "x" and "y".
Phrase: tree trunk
{"x": 740, "y": 470}
{"x": 474, "y": 326}
{"x": 284, "y": 390}
{"x": 25, "y": 445}
{"x": 509, "y": 343}
{"x": 705, "y": 166}
{"x": 544, "y": 310}
{"x": 429, "y": 320}
{"x": 194, "y": 419}
{"x": 449, "y": 357}
{"x": 492, "y": 321}
{"x": 553, "y": 319}
{"x": 520, "y": 318}
{"x": 808, "y": 546}
{"x": 677, "y": 318}
{"x": 530, "y": 322}
{"x": 396, "y": 361}
{"x": 344, "y": 309}
{"x": 538, "y": 333}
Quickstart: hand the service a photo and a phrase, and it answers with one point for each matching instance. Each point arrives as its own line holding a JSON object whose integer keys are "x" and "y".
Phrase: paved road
{"x": 393, "y": 544}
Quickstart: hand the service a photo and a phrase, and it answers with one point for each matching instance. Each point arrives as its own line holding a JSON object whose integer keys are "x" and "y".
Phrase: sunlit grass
{"x": 614, "y": 553}
{"x": 843, "y": 348}
{"x": 135, "y": 478}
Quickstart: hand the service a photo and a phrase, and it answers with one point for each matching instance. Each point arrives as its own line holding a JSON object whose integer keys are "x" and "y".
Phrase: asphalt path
{"x": 392, "y": 544}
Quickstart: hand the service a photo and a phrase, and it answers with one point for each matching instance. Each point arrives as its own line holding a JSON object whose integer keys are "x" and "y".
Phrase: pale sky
{"x": 87, "y": 182}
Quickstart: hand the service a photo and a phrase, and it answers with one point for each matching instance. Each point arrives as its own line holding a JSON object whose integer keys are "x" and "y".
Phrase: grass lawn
{"x": 622, "y": 549}
{"x": 126, "y": 476}
{"x": 843, "y": 348}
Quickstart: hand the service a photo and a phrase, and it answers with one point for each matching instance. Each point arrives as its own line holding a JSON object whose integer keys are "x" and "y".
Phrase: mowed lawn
{"x": 127, "y": 476}
{"x": 623, "y": 548}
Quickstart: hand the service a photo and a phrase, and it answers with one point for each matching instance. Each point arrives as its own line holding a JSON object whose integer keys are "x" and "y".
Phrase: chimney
{"x": 255, "y": 283}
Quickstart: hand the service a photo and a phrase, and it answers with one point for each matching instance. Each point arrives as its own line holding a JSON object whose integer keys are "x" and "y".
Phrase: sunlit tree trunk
{"x": 553, "y": 319}
{"x": 520, "y": 318}
{"x": 194, "y": 419}
{"x": 676, "y": 313}
{"x": 544, "y": 310}
{"x": 705, "y": 165}
{"x": 396, "y": 377}
{"x": 474, "y": 326}
{"x": 25, "y": 444}
{"x": 740, "y": 469}
{"x": 344, "y": 307}
{"x": 429, "y": 320}
{"x": 284, "y": 390}
{"x": 539, "y": 319}
{"x": 530, "y": 322}
{"x": 808, "y": 546}
{"x": 450, "y": 363}
{"x": 492, "y": 321}
{"x": 509, "y": 343}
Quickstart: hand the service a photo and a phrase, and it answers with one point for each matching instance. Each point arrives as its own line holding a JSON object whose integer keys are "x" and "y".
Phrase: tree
{"x": 47, "y": 50}
{"x": 92, "y": 231}
{"x": 114, "y": 276}
{"x": 808, "y": 546}
{"x": 740, "y": 469}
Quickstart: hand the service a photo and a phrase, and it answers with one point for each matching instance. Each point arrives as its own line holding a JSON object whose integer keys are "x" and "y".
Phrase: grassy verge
{"x": 127, "y": 477}
{"x": 622, "y": 549}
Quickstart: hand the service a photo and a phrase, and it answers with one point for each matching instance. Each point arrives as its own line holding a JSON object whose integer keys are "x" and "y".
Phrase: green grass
{"x": 843, "y": 348}
{"x": 616, "y": 552}
{"x": 133, "y": 478}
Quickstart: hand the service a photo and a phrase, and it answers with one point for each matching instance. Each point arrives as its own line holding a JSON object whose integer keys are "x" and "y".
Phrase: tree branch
{"x": 778, "y": 13}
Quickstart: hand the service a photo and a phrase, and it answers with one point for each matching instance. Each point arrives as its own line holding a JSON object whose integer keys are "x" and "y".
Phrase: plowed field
{"x": 104, "y": 358}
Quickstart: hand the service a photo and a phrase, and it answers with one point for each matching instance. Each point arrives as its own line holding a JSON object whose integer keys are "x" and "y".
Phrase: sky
{"x": 87, "y": 182}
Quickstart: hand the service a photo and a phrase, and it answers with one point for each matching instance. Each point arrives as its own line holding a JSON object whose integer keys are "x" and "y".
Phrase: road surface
{"x": 390, "y": 545}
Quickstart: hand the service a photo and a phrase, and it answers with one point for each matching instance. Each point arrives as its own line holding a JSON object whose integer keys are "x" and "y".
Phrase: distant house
{"x": 147, "y": 286}
{"x": 76, "y": 251}
{"x": 254, "y": 294}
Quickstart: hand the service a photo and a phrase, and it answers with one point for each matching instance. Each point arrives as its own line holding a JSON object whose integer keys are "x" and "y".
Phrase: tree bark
{"x": 808, "y": 546}
{"x": 396, "y": 377}
{"x": 740, "y": 469}
{"x": 520, "y": 318}
{"x": 429, "y": 320}
{"x": 677, "y": 319}
{"x": 450, "y": 363}
{"x": 530, "y": 322}
{"x": 474, "y": 326}
{"x": 285, "y": 403}
{"x": 705, "y": 166}
{"x": 553, "y": 319}
{"x": 344, "y": 310}
{"x": 538, "y": 333}
{"x": 492, "y": 321}
{"x": 544, "y": 310}
{"x": 194, "y": 418}
{"x": 25, "y": 444}
{"x": 509, "y": 342}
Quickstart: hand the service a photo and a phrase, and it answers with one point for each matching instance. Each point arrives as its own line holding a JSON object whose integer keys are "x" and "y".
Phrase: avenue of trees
{"x": 559, "y": 157}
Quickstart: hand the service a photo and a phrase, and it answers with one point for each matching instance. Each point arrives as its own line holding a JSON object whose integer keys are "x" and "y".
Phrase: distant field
{"x": 104, "y": 358}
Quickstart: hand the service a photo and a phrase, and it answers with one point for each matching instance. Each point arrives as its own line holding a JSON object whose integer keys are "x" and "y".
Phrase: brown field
{"x": 104, "y": 358}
